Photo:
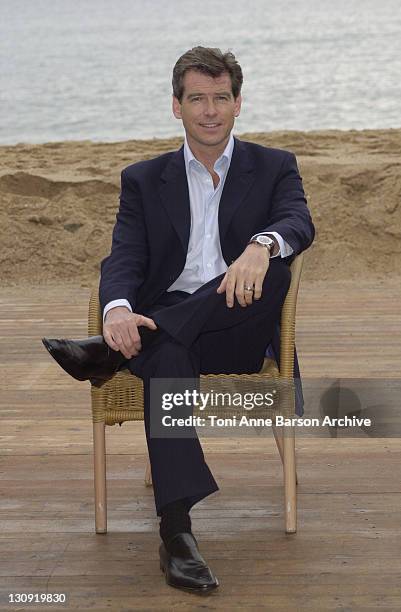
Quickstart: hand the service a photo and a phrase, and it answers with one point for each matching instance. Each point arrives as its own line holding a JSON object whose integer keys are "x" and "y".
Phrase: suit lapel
{"x": 175, "y": 196}
{"x": 239, "y": 180}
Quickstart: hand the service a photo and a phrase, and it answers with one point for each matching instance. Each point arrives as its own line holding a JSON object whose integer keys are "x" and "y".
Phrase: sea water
{"x": 101, "y": 69}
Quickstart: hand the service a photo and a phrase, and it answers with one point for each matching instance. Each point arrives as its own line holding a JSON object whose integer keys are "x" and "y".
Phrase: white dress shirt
{"x": 204, "y": 257}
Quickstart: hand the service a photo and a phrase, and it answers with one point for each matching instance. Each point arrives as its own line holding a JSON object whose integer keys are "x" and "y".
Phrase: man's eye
{"x": 195, "y": 99}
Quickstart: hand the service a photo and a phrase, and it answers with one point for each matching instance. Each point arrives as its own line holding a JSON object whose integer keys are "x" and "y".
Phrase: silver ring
{"x": 248, "y": 288}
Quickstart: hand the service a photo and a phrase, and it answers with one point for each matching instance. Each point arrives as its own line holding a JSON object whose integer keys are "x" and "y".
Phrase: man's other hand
{"x": 249, "y": 270}
{"x": 120, "y": 330}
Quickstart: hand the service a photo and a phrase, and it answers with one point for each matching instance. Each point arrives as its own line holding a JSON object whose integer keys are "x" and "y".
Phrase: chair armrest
{"x": 287, "y": 324}
{"x": 95, "y": 319}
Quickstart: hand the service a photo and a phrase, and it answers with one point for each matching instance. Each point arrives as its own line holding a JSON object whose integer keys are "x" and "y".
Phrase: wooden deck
{"x": 346, "y": 553}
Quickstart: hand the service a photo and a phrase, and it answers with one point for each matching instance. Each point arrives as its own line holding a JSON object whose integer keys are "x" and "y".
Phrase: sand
{"x": 59, "y": 200}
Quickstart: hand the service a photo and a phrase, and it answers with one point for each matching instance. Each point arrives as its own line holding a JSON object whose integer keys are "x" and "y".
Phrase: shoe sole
{"x": 197, "y": 591}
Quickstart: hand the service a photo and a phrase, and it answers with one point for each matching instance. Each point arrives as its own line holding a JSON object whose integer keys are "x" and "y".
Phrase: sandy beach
{"x": 59, "y": 200}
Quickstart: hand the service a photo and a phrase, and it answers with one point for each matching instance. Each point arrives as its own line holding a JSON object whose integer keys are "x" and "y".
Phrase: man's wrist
{"x": 280, "y": 248}
{"x": 254, "y": 246}
{"x": 264, "y": 242}
{"x": 114, "y": 309}
{"x": 113, "y": 304}
{"x": 275, "y": 249}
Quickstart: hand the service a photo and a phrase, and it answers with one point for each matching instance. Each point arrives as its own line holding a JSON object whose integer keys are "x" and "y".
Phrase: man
{"x": 196, "y": 278}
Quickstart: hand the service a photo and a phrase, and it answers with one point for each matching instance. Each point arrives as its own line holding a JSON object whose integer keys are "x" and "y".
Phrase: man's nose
{"x": 210, "y": 108}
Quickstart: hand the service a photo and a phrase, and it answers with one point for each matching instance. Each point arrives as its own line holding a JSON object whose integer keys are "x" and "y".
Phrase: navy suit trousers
{"x": 201, "y": 335}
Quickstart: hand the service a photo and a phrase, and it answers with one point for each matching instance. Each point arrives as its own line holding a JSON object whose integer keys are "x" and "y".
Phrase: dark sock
{"x": 174, "y": 519}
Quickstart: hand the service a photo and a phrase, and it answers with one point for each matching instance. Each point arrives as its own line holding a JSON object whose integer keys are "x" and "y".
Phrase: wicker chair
{"x": 121, "y": 399}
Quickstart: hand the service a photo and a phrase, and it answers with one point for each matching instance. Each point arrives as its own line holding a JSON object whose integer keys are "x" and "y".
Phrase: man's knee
{"x": 171, "y": 349}
{"x": 166, "y": 357}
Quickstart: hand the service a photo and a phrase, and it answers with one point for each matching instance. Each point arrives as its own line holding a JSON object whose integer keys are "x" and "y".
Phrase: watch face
{"x": 264, "y": 240}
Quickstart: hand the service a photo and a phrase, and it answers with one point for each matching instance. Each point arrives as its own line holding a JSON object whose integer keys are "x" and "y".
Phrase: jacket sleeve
{"x": 124, "y": 270}
{"x": 289, "y": 215}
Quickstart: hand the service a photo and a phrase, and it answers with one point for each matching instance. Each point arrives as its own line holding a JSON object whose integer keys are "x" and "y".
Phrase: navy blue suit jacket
{"x": 263, "y": 192}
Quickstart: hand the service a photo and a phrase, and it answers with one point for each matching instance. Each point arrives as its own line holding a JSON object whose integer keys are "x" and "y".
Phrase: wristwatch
{"x": 264, "y": 241}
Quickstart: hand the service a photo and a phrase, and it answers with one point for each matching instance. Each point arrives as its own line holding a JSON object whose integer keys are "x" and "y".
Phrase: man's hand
{"x": 249, "y": 270}
{"x": 120, "y": 330}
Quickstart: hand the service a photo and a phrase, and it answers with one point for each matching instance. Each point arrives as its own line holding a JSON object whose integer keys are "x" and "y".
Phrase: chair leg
{"x": 99, "y": 457}
{"x": 290, "y": 491}
{"x": 278, "y": 436}
{"x": 148, "y": 475}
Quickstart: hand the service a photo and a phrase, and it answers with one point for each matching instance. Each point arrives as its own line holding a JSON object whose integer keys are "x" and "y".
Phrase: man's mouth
{"x": 209, "y": 125}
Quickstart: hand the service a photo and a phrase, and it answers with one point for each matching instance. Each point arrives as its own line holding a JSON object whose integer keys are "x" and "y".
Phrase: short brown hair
{"x": 210, "y": 61}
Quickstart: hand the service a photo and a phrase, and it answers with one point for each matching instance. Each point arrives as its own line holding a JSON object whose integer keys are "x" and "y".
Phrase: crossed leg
{"x": 200, "y": 335}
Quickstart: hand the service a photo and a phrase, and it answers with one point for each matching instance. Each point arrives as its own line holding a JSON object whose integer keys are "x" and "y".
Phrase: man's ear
{"x": 237, "y": 108}
{"x": 176, "y": 108}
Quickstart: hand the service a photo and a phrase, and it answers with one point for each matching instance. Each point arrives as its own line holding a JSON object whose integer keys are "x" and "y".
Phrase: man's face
{"x": 207, "y": 108}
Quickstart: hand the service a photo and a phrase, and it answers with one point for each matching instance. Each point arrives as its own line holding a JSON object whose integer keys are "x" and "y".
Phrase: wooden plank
{"x": 345, "y": 555}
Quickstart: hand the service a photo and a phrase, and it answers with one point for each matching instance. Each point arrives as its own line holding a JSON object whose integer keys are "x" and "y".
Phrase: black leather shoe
{"x": 91, "y": 359}
{"x": 184, "y": 567}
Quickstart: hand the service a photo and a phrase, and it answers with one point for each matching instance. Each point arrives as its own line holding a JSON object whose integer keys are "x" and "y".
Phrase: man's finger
{"x": 257, "y": 294}
{"x": 240, "y": 289}
{"x": 109, "y": 340}
{"x": 239, "y": 293}
{"x": 222, "y": 287}
{"x": 230, "y": 287}
{"x": 248, "y": 295}
{"x": 147, "y": 322}
{"x": 128, "y": 344}
{"x": 135, "y": 339}
{"x": 118, "y": 339}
